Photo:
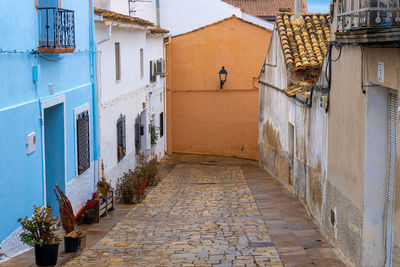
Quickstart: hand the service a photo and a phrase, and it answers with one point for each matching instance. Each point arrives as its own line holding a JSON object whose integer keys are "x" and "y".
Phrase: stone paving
{"x": 201, "y": 214}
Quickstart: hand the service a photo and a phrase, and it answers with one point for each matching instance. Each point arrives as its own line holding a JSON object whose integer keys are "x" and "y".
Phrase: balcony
{"x": 56, "y": 30}
{"x": 368, "y": 21}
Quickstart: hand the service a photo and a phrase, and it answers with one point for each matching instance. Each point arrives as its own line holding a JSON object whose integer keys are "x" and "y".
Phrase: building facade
{"x": 331, "y": 136}
{"x": 202, "y": 117}
{"x": 47, "y": 110}
{"x": 131, "y": 90}
{"x": 363, "y": 159}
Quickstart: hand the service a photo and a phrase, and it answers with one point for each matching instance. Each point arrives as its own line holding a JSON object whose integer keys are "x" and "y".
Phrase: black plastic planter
{"x": 88, "y": 220}
{"x": 46, "y": 255}
{"x": 71, "y": 244}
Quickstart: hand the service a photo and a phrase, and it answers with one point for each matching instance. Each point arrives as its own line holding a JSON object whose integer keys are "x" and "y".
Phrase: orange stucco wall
{"x": 201, "y": 118}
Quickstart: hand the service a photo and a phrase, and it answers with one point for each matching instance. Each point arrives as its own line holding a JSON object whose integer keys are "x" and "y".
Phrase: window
{"x": 117, "y": 62}
{"x": 121, "y": 139}
{"x": 137, "y": 134}
{"x": 161, "y": 124}
{"x": 141, "y": 63}
{"x": 82, "y": 141}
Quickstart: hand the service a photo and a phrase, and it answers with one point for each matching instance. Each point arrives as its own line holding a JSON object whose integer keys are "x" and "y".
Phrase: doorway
{"x": 54, "y": 153}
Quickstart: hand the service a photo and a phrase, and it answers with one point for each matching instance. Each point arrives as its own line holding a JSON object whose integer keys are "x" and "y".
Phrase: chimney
{"x": 103, "y": 4}
{"x": 297, "y": 8}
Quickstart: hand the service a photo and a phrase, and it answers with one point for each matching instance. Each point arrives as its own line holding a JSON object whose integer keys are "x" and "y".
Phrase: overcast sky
{"x": 315, "y": 6}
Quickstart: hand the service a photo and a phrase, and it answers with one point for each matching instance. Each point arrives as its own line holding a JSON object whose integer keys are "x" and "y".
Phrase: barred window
{"x": 121, "y": 138}
{"x": 83, "y": 141}
{"x": 137, "y": 134}
{"x": 161, "y": 124}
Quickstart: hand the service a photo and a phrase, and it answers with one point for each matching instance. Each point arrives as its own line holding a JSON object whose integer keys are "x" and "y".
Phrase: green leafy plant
{"x": 131, "y": 187}
{"x": 154, "y": 134}
{"x": 40, "y": 229}
{"x": 90, "y": 213}
{"x": 148, "y": 168}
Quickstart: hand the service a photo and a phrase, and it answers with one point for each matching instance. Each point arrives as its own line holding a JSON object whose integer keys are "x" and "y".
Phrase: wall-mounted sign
{"x": 381, "y": 72}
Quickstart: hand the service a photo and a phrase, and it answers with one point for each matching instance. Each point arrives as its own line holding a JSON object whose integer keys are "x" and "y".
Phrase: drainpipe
{"x": 94, "y": 95}
{"x": 158, "y": 13}
{"x": 97, "y": 61}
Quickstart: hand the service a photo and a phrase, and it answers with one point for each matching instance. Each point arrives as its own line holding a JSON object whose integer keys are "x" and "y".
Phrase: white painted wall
{"x": 181, "y": 16}
{"x": 157, "y": 90}
{"x": 127, "y": 95}
{"x": 145, "y": 9}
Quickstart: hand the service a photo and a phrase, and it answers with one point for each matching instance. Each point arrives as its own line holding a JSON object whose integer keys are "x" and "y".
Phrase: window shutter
{"x": 161, "y": 124}
{"x": 137, "y": 134}
{"x": 83, "y": 141}
{"x": 151, "y": 70}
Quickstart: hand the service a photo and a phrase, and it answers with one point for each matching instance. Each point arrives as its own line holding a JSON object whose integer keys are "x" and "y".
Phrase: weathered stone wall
{"x": 307, "y": 173}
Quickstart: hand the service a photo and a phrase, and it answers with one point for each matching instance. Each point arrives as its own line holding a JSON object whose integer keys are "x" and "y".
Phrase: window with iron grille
{"x": 137, "y": 134}
{"x": 83, "y": 141}
{"x": 121, "y": 138}
{"x": 161, "y": 124}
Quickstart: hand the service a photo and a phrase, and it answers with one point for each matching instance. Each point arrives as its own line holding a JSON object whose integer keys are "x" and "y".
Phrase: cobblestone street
{"x": 203, "y": 213}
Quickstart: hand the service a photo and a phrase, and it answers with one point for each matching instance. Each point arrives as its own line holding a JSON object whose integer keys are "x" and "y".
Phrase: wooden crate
{"x": 105, "y": 205}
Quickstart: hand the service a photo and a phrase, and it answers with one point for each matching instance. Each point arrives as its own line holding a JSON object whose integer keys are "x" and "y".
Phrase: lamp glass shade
{"x": 223, "y": 74}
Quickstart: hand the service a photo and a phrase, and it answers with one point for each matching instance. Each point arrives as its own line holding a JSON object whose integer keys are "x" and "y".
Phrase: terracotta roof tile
{"x": 159, "y": 30}
{"x": 265, "y": 8}
{"x": 122, "y": 18}
{"x": 304, "y": 42}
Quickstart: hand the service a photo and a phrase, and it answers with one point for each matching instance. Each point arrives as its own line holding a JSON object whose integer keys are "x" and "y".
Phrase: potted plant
{"x": 89, "y": 215}
{"x": 139, "y": 185}
{"x": 71, "y": 238}
{"x": 125, "y": 192}
{"x": 39, "y": 231}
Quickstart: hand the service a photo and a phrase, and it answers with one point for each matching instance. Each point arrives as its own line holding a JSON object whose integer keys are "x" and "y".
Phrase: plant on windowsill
{"x": 39, "y": 231}
{"x": 154, "y": 134}
{"x": 121, "y": 152}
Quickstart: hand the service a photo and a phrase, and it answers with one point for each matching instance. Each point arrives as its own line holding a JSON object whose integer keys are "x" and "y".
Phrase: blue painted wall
{"x": 21, "y": 175}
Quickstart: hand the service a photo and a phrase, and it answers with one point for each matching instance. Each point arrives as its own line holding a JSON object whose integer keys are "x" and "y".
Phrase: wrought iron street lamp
{"x": 222, "y": 76}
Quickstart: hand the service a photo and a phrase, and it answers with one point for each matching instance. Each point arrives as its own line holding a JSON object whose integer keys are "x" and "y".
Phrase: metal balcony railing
{"x": 56, "y": 30}
{"x": 361, "y": 14}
